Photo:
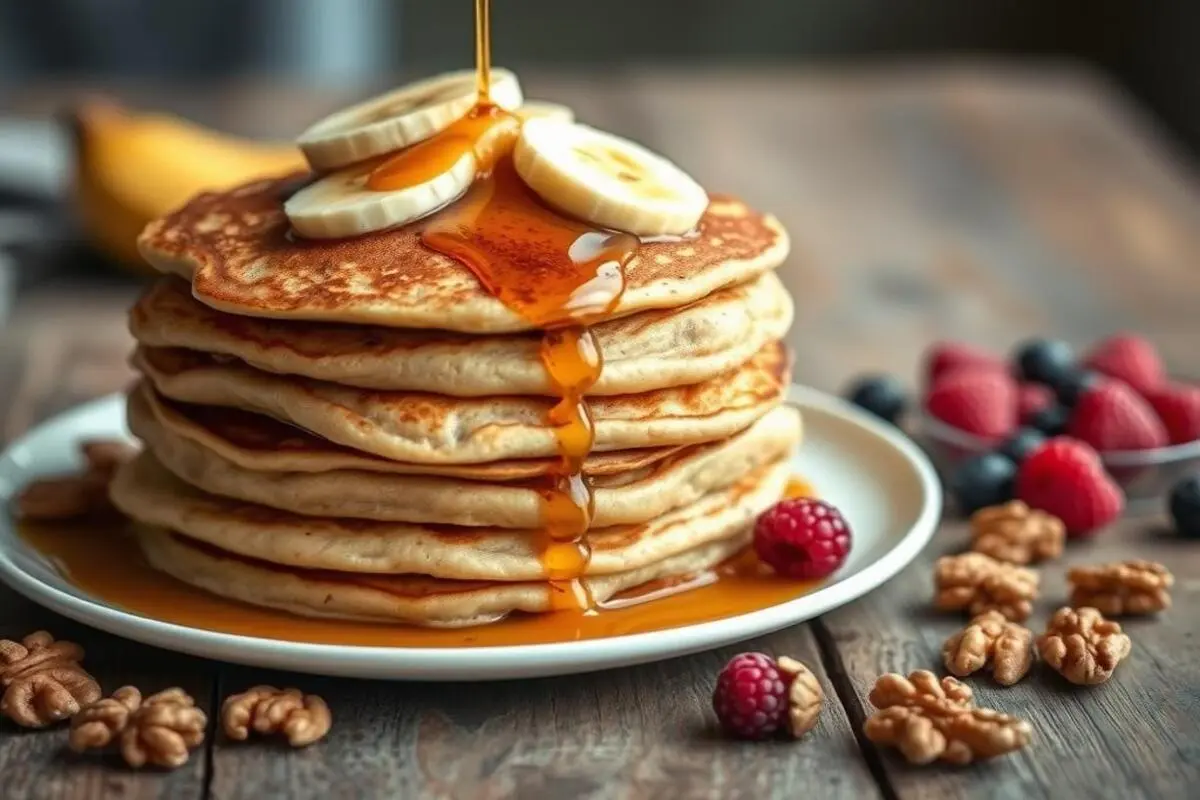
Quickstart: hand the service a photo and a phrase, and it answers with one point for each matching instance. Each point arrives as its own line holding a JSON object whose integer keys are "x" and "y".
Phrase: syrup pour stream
{"x": 558, "y": 274}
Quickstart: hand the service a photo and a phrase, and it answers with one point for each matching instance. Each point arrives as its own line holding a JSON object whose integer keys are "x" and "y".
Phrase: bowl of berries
{"x": 982, "y": 418}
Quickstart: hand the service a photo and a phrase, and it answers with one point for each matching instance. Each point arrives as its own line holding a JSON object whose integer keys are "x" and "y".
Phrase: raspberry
{"x": 1065, "y": 478}
{"x": 1128, "y": 358}
{"x": 751, "y": 697}
{"x": 1111, "y": 416}
{"x": 802, "y": 538}
{"x": 1032, "y": 398}
{"x": 945, "y": 357}
{"x": 978, "y": 402}
{"x": 1178, "y": 407}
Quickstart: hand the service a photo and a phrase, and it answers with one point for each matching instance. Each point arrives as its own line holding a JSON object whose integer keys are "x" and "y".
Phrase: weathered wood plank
{"x": 642, "y": 732}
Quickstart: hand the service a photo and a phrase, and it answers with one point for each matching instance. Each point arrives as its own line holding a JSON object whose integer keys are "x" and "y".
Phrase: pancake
{"x": 436, "y": 429}
{"x": 627, "y": 498}
{"x": 237, "y": 250}
{"x": 650, "y": 350}
{"x": 413, "y": 600}
{"x": 150, "y": 495}
{"x": 255, "y": 442}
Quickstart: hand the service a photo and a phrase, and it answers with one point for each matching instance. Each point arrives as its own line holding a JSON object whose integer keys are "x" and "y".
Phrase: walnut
{"x": 980, "y": 583}
{"x": 1016, "y": 533}
{"x": 63, "y": 498}
{"x": 302, "y": 718}
{"x": 1123, "y": 587}
{"x": 989, "y": 640}
{"x": 42, "y": 680}
{"x": 98, "y": 725}
{"x": 70, "y": 497}
{"x": 162, "y": 730}
{"x": 1082, "y": 646}
{"x": 804, "y": 696}
{"x": 920, "y": 687}
{"x": 928, "y": 719}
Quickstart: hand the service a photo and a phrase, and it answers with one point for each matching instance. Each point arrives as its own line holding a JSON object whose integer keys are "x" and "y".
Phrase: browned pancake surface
{"x": 238, "y": 249}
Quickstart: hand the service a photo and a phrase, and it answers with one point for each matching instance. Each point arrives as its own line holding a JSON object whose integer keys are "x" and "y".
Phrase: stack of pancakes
{"x": 357, "y": 428}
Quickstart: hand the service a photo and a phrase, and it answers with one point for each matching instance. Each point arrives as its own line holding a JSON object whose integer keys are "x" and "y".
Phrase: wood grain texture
{"x": 643, "y": 732}
{"x": 974, "y": 203}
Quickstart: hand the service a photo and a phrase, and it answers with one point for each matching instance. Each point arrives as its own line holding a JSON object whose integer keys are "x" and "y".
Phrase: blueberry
{"x": 1184, "y": 503}
{"x": 1051, "y": 420}
{"x": 1072, "y": 384}
{"x": 1021, "y": 444}
{"x": 882, "y": 395}
{"x": 983, "y": 480}
{"x": 1044, "y": 360}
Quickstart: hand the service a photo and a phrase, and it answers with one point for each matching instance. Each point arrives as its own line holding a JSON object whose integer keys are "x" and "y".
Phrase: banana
{"x": 132, "y": 168}
{"x": 340, "y": 204}
{"x": 400, "y": 118}
{"x": 543, "y": 109}
{"x": 606, "y": 180}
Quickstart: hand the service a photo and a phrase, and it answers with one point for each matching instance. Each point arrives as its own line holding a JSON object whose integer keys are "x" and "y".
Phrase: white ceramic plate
{"x": 881, "y": 481}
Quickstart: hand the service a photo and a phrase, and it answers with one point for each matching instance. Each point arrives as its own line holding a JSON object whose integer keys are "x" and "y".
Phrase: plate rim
{"x": 501, "y": 661}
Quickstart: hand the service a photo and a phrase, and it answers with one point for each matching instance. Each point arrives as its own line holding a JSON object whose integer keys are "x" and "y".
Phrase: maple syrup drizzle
{"x": 558, "y": 274}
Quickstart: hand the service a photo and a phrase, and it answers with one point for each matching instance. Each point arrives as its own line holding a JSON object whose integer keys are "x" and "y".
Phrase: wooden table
{"x": 970, "y": 202}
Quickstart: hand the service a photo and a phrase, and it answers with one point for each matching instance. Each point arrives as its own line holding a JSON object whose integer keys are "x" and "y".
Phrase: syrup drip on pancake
{"x": 558, "y": 274}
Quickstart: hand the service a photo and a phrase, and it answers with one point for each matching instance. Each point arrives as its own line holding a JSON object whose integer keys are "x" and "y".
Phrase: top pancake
{"x": 238, "y": 251}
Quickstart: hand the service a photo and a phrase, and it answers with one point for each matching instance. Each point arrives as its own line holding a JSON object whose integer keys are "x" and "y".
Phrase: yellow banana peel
{"x": 131, "y": 168}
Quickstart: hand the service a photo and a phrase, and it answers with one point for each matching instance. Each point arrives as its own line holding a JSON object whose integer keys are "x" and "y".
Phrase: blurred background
{"x": 265, "y": 68}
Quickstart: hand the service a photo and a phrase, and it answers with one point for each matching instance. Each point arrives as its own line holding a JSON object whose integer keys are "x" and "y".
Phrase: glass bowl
{"x": 1146, "y": 476}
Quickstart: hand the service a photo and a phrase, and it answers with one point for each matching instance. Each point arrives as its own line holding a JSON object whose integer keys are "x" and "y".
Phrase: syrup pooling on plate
{"x": 556, "y": 273}
{"x": 90, "y": 558}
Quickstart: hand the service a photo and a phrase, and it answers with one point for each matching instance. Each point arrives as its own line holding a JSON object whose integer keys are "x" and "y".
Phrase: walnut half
{"x": 71, "y": 497}
{"x": 977, "y": 583}
{"x": 42, "y": 680}
{"x": 1123, "y": 587}
{"x": 1082, "y": 646}
{"x": 929, "y": 720}
{"x": 989, "y": 640}
{"x": 98, "y": 725}
{"x": 302, "y": 718}
{"x": 162, "y": 730}
{"x": 1016, "y": 533}
{"x": 804, "y": 696}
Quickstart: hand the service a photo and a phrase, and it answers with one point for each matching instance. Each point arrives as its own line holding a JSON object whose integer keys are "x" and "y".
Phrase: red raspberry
{"x": 1128, "y": 358}
{"x": 802, "y": 538}
{"x": 1111, "y": 416}
{"x": 945, "y": 357}
{"x": 751, "y": 697}
{"x": 1064, "y": 477}
{"x": 983, "y": 403}
{"x": 1178, "y": 406}
{"x": 1032, "y": 398}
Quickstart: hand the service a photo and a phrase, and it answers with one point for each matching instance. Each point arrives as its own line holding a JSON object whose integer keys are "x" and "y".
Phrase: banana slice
{"x": 543, "y": 109}
{"x": 606, "y": 180}
{"x": 340, "y": 204}
{"x": 400, "y": 118}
